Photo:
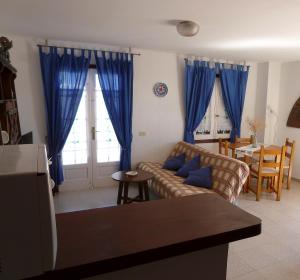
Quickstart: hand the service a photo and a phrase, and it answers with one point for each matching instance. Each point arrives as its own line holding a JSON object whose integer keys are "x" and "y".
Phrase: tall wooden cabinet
{"x": 9, "y": 116}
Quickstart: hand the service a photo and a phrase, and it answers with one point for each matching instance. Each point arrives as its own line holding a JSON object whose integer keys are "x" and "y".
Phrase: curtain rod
{"x": 216, "y": 61}
{"x": 80, "y": 49}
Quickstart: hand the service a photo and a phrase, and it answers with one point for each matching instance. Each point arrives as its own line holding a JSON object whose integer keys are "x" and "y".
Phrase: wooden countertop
{"x": 96, "y": 241}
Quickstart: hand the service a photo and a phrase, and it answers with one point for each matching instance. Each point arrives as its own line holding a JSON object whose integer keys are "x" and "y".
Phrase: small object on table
{"x": 131, "y": 173}
{"x": 247, "y": 150}
{"x": 141, "y": 179}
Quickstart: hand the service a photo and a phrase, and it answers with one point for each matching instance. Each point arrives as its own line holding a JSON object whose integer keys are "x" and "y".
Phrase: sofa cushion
{"x": 189, "y": 166}
{"x": 174, "y": 163}
{"x": 200, "y": 178}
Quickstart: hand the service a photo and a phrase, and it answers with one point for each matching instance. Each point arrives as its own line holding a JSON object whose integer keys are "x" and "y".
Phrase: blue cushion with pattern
{"x": 191, "y": 165}
{"x": 174, "y": 163}
{"x": 200, "y": 178}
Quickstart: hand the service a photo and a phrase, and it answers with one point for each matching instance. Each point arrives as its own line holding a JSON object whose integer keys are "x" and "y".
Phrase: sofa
{"x": 228, "y": 174}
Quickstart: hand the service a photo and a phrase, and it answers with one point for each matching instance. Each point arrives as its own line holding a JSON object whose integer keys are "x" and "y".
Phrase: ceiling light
{"x": 187, "y": 28}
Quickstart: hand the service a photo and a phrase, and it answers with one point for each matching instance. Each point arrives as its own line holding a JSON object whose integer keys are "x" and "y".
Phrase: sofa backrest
{"x": 229, "y": 175}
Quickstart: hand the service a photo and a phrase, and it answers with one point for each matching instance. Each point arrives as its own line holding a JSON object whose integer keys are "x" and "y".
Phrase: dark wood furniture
{"x": 294, "y": 117}
{"x": 141, "y": 235}
{"x": 141, "y": 179}
{"x": 9, "y": 116}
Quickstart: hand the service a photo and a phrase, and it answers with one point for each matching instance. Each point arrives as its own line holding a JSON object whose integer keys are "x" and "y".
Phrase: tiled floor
{"x": 275, "y": 254}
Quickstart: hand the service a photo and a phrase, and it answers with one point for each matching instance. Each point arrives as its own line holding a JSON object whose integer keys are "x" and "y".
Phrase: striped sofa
{"x": 229, "y": 174}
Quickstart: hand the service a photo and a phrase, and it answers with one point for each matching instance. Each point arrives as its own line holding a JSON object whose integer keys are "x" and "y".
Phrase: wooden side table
{"x": 141, "y": 179}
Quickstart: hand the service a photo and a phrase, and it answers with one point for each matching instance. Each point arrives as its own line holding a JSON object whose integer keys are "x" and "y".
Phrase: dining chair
{"x": 271, "y": 170}
{"x": 223, "y": 147}
{"x": 238, "y": 141}
{"x": 289, "y": 156}
{"x": 244, "y": 140}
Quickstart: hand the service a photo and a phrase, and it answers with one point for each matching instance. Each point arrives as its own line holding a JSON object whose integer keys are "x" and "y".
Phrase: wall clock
{"x": 160, "y": 89}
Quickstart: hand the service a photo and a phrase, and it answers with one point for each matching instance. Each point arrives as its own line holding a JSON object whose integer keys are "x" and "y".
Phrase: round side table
{"x": 141, "y": 179}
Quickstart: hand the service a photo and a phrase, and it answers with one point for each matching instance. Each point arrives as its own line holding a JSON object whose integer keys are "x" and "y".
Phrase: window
{"x": 75, "y": 150}
{"x": 216, "y": 123}
{"x": 91, "y": 112}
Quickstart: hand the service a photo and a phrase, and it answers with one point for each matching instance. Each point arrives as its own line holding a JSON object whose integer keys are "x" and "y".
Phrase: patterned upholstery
{"x": 229, "y": 174}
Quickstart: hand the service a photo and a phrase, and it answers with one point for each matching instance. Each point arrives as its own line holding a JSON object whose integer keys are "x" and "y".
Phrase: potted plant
{"x": 254, "y": 126}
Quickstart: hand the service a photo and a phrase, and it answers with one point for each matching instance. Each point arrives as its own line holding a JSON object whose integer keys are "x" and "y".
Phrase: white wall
{"x": 261, "y": 96}
{"x": 161, "y": 119}
{"x": 251, "y": 99}
{"x": 272, "y": 103}
{"x": 289, "y": 93}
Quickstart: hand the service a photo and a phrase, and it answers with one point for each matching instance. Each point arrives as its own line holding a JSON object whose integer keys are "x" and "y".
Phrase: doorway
{"x": 92, "y": 152}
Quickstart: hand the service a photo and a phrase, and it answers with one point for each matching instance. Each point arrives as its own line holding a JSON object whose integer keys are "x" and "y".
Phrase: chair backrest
{"x": 290, "y": 150}
{"x": 223, "y": 147}
{"x": 242, "y": 140}
{"x": 277, "y": 154}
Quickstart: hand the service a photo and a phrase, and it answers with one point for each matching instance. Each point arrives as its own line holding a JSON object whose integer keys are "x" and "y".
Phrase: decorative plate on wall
{"x": 160, "y": 89}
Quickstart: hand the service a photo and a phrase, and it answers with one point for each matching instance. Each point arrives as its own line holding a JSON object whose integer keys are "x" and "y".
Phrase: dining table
{"x": 249, "y": 154}
{"x": 249, "y": 150}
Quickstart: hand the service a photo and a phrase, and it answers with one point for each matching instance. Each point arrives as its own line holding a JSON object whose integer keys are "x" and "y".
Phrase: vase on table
{"x": 253, "y": 140}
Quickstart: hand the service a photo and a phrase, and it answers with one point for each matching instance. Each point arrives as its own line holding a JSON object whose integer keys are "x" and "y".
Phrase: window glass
{"x": 216, "y": 122}
{"x": 75, "y": 150}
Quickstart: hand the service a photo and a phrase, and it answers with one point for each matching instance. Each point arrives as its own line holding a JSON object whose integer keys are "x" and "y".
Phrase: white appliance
{"x": 28, "y": 239}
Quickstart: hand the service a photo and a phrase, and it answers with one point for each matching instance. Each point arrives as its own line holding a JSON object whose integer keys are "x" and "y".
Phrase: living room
{"x": 262, "y": 39}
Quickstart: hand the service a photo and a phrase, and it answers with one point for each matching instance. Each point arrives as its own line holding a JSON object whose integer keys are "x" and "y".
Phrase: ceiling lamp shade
{"x": 187, "y": 28}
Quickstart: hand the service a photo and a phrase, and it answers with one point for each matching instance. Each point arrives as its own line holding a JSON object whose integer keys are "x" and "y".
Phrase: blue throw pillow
{"x": 174, "y": 163}
{"x": 200, "y": 178}
{"x": 191, "y": 165}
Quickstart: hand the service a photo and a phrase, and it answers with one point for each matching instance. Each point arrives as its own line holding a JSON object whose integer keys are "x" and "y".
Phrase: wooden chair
{"x": 289, "y": 156}
{"x": 240, "y": 140}
{"x": 246, "y": 141}
{"x": 223, "y": 147}
{"x": 273, "y": 171}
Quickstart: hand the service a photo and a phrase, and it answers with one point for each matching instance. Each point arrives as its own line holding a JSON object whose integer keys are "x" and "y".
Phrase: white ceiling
{"x": 255, "y": 30}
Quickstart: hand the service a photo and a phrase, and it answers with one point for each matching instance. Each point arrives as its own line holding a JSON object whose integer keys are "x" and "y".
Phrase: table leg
{"x": 141, "y": 195}
{"x": 125, "y": 198}
{"x": 120, "y": 192}
{"x": 146, "y": 190}
{"x": 247, "y": 183}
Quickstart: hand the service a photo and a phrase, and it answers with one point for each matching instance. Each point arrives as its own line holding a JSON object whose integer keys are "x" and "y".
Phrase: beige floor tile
{"x": 254, "y": 275}
{"x": 67, "y": 201}
{"x": 257, "y": 257}
{"x": 237, "y": 267}
{"x": 279, "y": 271}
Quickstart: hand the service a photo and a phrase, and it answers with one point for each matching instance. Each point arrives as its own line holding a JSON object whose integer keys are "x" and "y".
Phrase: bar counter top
{"x": 97, "y": 241}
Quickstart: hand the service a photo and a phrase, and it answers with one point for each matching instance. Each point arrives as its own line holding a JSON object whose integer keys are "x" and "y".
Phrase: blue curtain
{"x": 115, "y": 73}
{"x": 233, "y": 85}
{"x": 199, "y": 84}
{"x": 64, "y": 76}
